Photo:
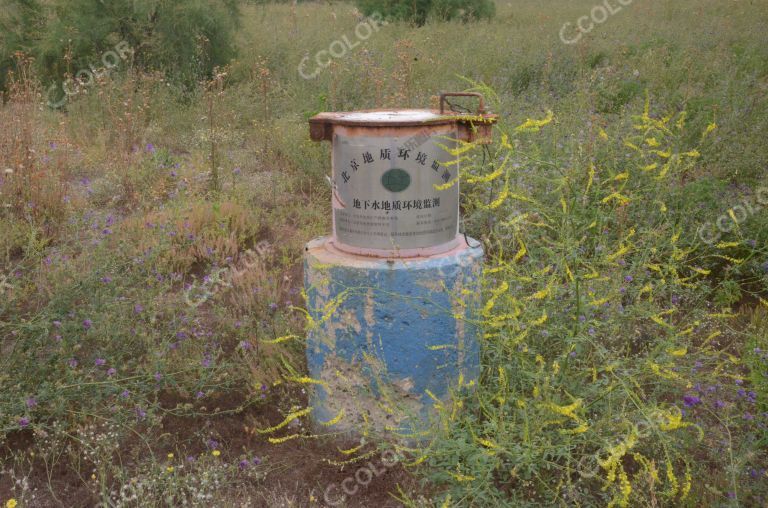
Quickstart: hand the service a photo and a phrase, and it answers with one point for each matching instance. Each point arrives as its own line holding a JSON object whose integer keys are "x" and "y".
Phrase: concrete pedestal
{"x": 386, "y": 332}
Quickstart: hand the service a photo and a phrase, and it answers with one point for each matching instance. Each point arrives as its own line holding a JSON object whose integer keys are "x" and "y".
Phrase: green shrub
{"x": 419, "y": 11}
{"x": 184, "y": 39}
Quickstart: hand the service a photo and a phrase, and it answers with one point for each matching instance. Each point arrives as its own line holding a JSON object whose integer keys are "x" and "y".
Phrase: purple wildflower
{"x": 137, "y": 309}
{"x": 72, "y": 362}
{"x": 111, "y": 372}
{"x": 691, "y": 400}
{"x": 57, "y": 324}
{"x": 100, "y": 362}
{"x": 256, "y": 461}
{"x": 23, "y": 421}
{"x": 31, "y": 402}
{"x": 150, "y": 148}
{"x": 244, "y": 464}
{"x": 629, "y": 278}
{"x": 87, "y": 324}
{"x": 158, "y": 376}
{"x": 212, "y": 444}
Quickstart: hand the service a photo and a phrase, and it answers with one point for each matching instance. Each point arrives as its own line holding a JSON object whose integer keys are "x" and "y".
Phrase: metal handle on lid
{"x": 481, "y": 99}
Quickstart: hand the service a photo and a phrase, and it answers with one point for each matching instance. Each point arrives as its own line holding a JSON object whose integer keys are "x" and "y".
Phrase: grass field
{"x": 626, "y": 287}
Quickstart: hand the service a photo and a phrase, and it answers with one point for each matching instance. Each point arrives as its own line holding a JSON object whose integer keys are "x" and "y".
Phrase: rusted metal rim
{"x": 384, "y": 118}
{"x": 398, "y": 117}
{"x": 321, "y": 125}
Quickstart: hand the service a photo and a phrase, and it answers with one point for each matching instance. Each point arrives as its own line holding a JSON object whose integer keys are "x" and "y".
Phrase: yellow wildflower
{"x": 462, "y": 478}
{"x": 687, "y": 485}
{"x": 532, "y": 125}
{"x": 336, "y": 419}
{"x": 566, "y": 410}
{"x": 577, "y": 430}
{"x": 278, "y": 440}
{"x": 674, "y": 420}
{"x": 288, "y": 419}
{"x": 541, "y": 320}
{"x": 673, "y": 484}
{"x": 623, "y": 200}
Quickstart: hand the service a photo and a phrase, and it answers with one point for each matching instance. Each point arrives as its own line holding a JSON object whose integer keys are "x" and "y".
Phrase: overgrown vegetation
{"x": 150, "y": 262}
{"x": 418, "y": 12}
{"x": 612, "y": 371}
{"x": 80, "y": 40}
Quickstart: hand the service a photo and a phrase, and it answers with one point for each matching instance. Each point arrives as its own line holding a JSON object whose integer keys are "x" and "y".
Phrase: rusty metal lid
{"x": 384, "y": 118}
{"x": 321, "y": 125}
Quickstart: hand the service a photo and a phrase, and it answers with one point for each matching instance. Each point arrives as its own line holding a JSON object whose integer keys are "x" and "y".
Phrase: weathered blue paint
{"x": 387, "y": 332}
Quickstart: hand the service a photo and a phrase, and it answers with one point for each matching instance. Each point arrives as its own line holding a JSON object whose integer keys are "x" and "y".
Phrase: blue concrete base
{"x": 387, "y": 333}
